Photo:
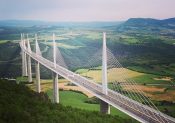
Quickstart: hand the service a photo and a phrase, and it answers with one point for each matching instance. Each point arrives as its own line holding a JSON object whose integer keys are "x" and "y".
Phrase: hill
{"x": 19, "y": 104}
{"x": 148, "y": 24}
{"x": 137, "y": 43}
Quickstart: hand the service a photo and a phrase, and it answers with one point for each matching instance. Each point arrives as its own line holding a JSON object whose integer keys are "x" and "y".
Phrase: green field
{"x": 149, "y": 79}
{"x": 77, "y": 100}
{"x": 3, "y": 41}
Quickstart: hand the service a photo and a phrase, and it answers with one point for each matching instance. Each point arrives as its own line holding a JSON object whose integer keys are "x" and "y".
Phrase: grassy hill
{"x": 150, "y": 22}
{"x": 19, "y": 104}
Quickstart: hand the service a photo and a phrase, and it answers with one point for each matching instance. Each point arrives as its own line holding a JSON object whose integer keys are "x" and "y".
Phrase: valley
{"x": 147, "y": 54}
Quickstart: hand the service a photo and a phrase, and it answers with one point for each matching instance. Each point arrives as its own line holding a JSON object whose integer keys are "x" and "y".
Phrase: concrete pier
{"x": 25, "y": 65}
{"x": 24, "y": 58}
{"x": 37, "y": 69}
{"x": 29, "y": 69}
{"x": 29, "y": 61}
{"x": 23, "y": 69}
{"x": 104, "y": 107}
{"x": 55, "y": 75}
{"x": 55, "y": 88}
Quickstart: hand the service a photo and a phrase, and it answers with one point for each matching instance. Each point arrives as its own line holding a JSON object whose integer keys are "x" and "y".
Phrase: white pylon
{"x": 28, "y": 44}
{"x": 54, "y": 51}
{"x": 36, "y": 43}
{"x": 29, "y": 61}
{"x": 37, "y": 49}
{"x": 104, "y": 66}
{"x": 24, "y": 43}
{"x": 24, "y": 57}
{"x": 37, "y": 66}
{"x": 104, "y": 106}
{"x": 55, "y": 75}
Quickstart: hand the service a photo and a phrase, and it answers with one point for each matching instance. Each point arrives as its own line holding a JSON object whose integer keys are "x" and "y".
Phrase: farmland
{"x": 146, "y": 54}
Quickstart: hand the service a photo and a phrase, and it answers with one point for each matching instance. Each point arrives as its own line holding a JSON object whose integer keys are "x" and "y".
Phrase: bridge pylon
{"x": 104, "y": 107}
{"x": 24, "y": 58}
{"x": 37, "y": 66}
{"x": 22, "y": 55}
{"x": 55, "y": 75}
{"x": 29, "y": 61}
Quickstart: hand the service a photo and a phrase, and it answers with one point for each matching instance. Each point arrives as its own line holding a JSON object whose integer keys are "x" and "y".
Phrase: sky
{"x": 85, "y": 10}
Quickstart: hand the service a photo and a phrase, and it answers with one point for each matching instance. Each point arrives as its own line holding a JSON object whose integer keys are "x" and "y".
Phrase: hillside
{"x": 148, "y": 24}
{"x": 19, "y": 104}
{"x": 144, "y": 42}
{"x": 148, "y": 47}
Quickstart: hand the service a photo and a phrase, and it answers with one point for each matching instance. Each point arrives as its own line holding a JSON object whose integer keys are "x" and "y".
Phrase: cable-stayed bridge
{"x": 118, "y": 99}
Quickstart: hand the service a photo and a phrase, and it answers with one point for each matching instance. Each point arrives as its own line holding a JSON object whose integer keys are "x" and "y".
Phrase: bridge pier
{"x": 104, "y": 107}
{"x": 25, "y": 64}
{"x": 24, "y": 59}
{"x": 29, "y": 69}
{"x": 29, "y": 61}
{"x": 55, "y": 88}
{"x": 37, "y": 69}
{"x": 37, "y": 66}
{"x": 55, "y": 75}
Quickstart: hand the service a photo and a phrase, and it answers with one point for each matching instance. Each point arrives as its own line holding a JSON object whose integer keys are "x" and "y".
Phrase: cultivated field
{"x": 114, "y": 74}
{"x": 157, "y": 90}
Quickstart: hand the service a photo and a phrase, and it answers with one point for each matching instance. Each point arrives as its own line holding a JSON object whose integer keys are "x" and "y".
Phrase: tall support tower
{"x": 24, "y": 57}
{"x": 104, "y": 66}
{"x": 29, "y": 61}
{"x": 37, "y": 66}
{"x": 104, "y": 107}
{"x": 55, "y": 75}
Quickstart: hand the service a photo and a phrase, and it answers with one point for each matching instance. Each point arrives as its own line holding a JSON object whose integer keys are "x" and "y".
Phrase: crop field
{"x": 114, "y": 74}
{"x": 149, "y": 83}
{"x": 155, "y": 86}
{"x": 155, "y": 92}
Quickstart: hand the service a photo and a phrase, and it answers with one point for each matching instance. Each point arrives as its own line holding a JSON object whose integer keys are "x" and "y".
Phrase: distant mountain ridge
{"x": 147, "y": 25}
{"x": 132, "y": 22}
{"x": 149, "y": 22}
